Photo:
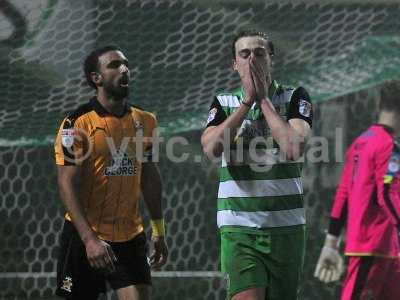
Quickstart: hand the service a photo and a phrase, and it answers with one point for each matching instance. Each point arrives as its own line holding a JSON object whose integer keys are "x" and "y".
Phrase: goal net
{"x": 340, "y": 50}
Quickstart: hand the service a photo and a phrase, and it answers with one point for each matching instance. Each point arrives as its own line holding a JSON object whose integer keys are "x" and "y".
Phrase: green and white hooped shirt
{"x": 259, "y": 190}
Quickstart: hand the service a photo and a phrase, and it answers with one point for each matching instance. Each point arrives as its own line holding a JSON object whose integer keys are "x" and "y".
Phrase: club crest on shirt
{"x": 67, "y": 137}
{"x": 212, "y": 114}
{"x": 139, "y": 125}
{"x": 121, "y": 165}
{"x": 304, "y": 108}
{"x": 67, "y": 284}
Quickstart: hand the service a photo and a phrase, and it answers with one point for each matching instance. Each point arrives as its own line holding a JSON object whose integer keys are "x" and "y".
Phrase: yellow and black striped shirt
{"x": 110, "y": 151}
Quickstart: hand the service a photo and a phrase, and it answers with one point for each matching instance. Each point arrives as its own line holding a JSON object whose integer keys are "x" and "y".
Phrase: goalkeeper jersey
{"x": 110, "y": 159}
{"x": 368, "y": 195}
{"x": 259, "y": 190}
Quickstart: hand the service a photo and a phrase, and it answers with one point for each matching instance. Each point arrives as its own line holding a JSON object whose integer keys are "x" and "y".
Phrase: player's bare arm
{"x": 99, "y": 253}
{"x": 213, "y": 137}
{"x": 152, "y": 192}
{"x": 291, "y": 136}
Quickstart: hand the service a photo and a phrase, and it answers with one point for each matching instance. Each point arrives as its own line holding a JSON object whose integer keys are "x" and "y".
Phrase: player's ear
{"x": 234, "y": 65}
{"x": 96, "y": 78}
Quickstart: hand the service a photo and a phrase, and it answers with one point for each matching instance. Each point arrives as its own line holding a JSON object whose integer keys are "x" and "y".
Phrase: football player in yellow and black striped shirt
{"x": 103, "y": 154}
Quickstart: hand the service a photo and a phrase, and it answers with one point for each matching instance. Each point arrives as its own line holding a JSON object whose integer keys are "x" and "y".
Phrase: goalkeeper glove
{"x": 330, "y": 263}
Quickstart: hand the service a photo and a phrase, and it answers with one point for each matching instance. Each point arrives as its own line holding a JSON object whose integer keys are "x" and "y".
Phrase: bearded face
{"x": 117, "y": 88}
{"x": 115, "y": 74}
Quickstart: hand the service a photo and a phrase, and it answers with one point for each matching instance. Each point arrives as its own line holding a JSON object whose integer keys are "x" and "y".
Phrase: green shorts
{"x": 274, "y": 261}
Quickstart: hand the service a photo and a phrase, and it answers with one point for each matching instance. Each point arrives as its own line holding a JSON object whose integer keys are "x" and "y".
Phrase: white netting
{"x": 180, "y": 53}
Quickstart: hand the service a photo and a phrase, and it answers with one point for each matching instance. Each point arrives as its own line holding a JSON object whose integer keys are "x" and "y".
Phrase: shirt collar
{"x": 388, "y": 129}
{"x": 102, "y": 112}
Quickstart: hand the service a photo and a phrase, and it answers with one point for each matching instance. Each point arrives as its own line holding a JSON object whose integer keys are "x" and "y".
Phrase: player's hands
{"x": 159, "y": 255}
{"x": 250, "y": 93}
{"x": 100, "y": 254}
{"x": 260, "y": 75}
{"x": 330, "y": 263}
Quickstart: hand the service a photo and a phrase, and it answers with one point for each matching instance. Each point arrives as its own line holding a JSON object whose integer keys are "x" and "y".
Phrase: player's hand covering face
{"x": 159, "y": 255}
{"x": 259, "y": 75}
{"x": 253, "y": 63}
{"x": 248, "y": 83}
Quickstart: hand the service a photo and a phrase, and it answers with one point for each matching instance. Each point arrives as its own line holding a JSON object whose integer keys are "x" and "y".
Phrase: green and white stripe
{"x": 258, "y": 187}
{"x": 259, "y": 156}
{"x": 228, "y": 101}
{"x": 261, "y": 219}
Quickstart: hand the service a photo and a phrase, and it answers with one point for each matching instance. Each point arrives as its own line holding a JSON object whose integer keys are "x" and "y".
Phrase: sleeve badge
{"x": 67, "y": 137}
{"x": 394, "y": 164}
{"x": 212, "y": 114}
{"x": 305, "y": 108}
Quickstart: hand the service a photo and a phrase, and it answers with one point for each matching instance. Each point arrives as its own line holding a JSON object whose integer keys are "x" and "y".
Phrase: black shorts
{"x": 77, "y": 280}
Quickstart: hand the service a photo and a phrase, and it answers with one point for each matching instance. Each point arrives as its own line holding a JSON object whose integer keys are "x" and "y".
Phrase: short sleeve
{"x": 300, "y": 106}
{"x": 387, "y": 170}
{"x": 393, "y": 166}
{"x": 69, "y": 144}
{"x": 216, "y": 114}
{"x": 150, "y": 125}
{"x": 150, "y": 134}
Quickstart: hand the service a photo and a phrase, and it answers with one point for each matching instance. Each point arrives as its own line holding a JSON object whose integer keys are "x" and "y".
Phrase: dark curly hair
{"x": 91, "y": 63}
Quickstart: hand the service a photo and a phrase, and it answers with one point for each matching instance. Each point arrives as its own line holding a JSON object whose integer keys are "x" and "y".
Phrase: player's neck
{"x": 114, "y": 106}
{"x": 390, "y": 119}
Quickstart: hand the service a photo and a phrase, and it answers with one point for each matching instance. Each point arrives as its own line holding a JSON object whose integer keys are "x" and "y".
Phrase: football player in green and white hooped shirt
{"x": 260, "y": 198}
